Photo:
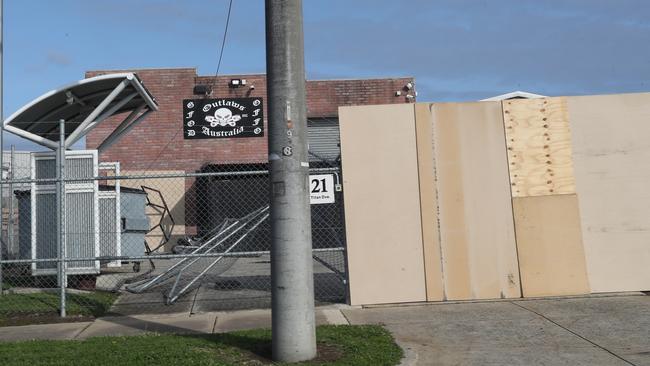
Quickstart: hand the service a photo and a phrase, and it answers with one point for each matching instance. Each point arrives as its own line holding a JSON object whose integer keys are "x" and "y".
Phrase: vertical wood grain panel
{"x": 475, "y": 208}
{"x": 428, "y": 202}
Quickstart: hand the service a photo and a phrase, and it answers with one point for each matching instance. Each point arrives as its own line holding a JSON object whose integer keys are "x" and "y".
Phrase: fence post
{"x": 60, "y": 214}
{"x": 11, "y": 220}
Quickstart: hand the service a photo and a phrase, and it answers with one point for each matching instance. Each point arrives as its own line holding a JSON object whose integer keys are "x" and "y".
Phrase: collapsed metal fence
{"x": 126, "y": 243}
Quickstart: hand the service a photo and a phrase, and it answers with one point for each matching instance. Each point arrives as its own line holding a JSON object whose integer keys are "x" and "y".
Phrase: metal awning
{"x": 82, "y": 106}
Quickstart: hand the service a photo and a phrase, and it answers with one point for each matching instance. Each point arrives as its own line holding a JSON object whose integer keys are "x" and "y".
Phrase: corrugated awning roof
{"x": 83, "y": 105}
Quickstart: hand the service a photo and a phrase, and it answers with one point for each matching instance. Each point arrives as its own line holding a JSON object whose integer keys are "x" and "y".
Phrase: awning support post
{"x": 102, "y": 117}
{"x": 131, "y": 121}
{"x": 76, "y": 134}
{"x": 32, "y": 137}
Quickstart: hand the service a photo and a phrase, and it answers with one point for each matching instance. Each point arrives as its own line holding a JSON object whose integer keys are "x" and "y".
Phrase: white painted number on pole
{"x": 321, "y": 189}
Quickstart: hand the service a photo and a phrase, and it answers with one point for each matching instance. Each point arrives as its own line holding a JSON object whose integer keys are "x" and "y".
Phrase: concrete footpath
{"x": 594, "y": 330}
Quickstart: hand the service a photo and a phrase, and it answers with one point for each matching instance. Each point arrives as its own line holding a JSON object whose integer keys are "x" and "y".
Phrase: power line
{"x": 223, "y": 41}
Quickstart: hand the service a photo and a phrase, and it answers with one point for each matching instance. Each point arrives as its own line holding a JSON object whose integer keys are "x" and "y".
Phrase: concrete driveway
{"x": 594, "y": 330}
{"x": 608, "y": 330}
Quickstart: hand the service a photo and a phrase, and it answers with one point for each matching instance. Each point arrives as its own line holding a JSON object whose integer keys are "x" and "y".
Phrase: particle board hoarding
{"x": 611, "y": 151}
{"x": 477, "y": 235}
{"x": 539, "y": 146}
{"x": 549, "y": 242}
{"x": 382, "y": 204}
{"x": 428, "y": 202}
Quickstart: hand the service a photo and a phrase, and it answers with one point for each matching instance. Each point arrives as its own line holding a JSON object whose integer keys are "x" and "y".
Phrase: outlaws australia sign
{"x": 222, "y": 118}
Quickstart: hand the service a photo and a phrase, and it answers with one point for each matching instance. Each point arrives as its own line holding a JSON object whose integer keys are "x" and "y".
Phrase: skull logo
{"x": 223, "y": 117}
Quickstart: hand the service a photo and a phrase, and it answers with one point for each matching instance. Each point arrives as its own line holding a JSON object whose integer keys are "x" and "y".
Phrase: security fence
{"x": 127, "y": 243}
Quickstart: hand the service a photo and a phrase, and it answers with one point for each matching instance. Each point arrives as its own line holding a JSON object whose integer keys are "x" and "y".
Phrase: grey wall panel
{"x": 24, "y": 226}
{"x": 132, "y": 206}
{"x": 107, "y": 226}
{"x": 46, "y": 243}
{"x": 323, "y": 135}
{"x": 80, "y": 228}
{"x": 79, "y": 167}
{"x": 75, "y": 167}
{"x": 45, "y": 169}
{"x": 81, "y": 219}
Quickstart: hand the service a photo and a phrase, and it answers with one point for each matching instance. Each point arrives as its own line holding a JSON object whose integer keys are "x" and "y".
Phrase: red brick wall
{"x": 157, "y": 143}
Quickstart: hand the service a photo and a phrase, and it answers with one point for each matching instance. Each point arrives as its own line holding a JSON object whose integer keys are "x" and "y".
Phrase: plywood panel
{"x": 549, "y": 241}
{"x": 539, "y": 146}
{"x": 428, "y": 202}
{"x": 611, "y": 145}
{"x": 382, "y": 204}
{"x": 475, "y": 210}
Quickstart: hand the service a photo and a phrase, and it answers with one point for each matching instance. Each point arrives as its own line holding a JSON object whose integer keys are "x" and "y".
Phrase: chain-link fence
{"x": 127, "y": 243}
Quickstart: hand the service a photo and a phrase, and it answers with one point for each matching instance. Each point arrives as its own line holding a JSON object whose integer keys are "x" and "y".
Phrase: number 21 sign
{"x": 321, "y": 189}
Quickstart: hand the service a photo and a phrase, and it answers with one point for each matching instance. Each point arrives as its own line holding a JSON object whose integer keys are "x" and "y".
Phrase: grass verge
{"x": 338, "y": 345}
{"x": 20, "y": 309}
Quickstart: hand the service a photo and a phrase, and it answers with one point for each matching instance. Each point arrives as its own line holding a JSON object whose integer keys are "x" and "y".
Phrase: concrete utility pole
{"x": 293, "y": 326}
{"x": 2, "y": 152}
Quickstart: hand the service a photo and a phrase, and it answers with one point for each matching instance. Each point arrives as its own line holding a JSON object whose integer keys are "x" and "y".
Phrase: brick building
{"x": 158, "y": 144}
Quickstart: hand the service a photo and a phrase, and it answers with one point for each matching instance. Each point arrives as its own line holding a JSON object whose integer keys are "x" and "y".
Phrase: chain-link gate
{"x": 136, "y": 242}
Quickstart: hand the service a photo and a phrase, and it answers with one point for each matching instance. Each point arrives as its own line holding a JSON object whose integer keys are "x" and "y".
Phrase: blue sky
{"x": 456, "y": 49}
